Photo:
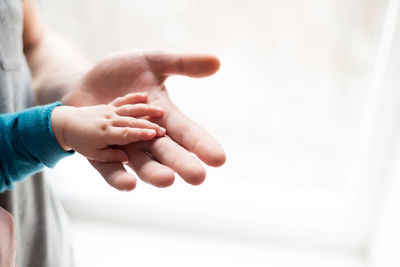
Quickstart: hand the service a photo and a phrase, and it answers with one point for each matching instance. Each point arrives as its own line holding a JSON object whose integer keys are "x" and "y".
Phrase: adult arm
{"x": 55, "y": 63}
{"x": 60, "y": 71}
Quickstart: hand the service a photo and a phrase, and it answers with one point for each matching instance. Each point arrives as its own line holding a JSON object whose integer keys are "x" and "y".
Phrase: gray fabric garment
{"x": 39, "y": 218}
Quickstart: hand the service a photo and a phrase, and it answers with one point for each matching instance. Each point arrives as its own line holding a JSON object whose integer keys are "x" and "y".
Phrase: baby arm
{"x": 95, "y": 131}
{"x": 27, "y": 144}
{"x": 42, "y": 135}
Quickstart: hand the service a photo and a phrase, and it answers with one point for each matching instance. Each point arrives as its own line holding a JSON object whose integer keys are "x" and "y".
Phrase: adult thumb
{"x": 192, "y": 65}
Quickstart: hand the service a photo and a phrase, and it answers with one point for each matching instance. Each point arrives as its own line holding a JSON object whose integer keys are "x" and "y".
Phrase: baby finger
{"x": 139, "y": 110}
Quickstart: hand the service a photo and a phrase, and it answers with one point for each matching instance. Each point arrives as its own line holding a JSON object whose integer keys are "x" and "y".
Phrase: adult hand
{"x": 154, "y": 161}
{"x": 7, "y": 239}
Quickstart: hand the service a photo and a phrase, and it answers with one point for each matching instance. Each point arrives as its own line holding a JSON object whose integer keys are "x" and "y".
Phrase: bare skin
{"x": 95, "y": 131}
{"x": 7, "y": 239}
{"x": 61, "y": 72}
{"x": 156, "y": 161}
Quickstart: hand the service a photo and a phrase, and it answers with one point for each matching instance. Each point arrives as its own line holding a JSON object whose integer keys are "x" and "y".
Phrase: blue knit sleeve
{"x": 27, "y": 144}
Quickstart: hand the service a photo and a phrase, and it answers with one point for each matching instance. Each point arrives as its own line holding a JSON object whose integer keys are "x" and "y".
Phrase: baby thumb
{"x": 113, "y": 155}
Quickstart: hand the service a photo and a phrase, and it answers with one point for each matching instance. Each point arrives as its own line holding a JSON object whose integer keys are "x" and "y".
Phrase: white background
{"x": 306, "y": 115}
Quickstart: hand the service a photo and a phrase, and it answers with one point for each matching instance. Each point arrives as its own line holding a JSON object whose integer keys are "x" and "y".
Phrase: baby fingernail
{"x": 162, "y": 131}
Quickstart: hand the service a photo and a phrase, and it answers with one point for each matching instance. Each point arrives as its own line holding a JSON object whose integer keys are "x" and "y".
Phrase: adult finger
{"x": 148, "y": 169}
{"x": 192, "y": 65}
{"x": 110, "y": 155}
{"x": 190, "y": 135}
{"x": 115, "y": 175}
{"x": 139, "y": 110}
{"x": 132, "y": 98}
{"x": 170, "y": 154}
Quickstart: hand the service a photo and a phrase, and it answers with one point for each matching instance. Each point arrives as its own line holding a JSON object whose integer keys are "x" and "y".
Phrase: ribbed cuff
{"x": 34, "y": 125}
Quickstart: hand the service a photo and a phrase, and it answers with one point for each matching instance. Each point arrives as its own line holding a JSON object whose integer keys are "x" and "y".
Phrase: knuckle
{"x": 144, "y": 107}
{"x": 108, "y": 112}
{"x": 138, "y": 107}
{"x": 140, "y": 122}
{"x": 143, "y": 133}
{"x": 125, "y": 133}
{"x": 105, "y": 127}
{"x": 146, "y": 124}
{"x": 133, "y": 122}
{"x": 123, "y": 109}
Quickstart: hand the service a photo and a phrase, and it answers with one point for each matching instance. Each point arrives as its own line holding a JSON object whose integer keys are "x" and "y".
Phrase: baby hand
{"x": 94, "y": 131}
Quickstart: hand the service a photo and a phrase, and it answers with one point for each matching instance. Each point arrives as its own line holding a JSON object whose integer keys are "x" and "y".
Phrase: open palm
{"x": 154, "y": 161}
